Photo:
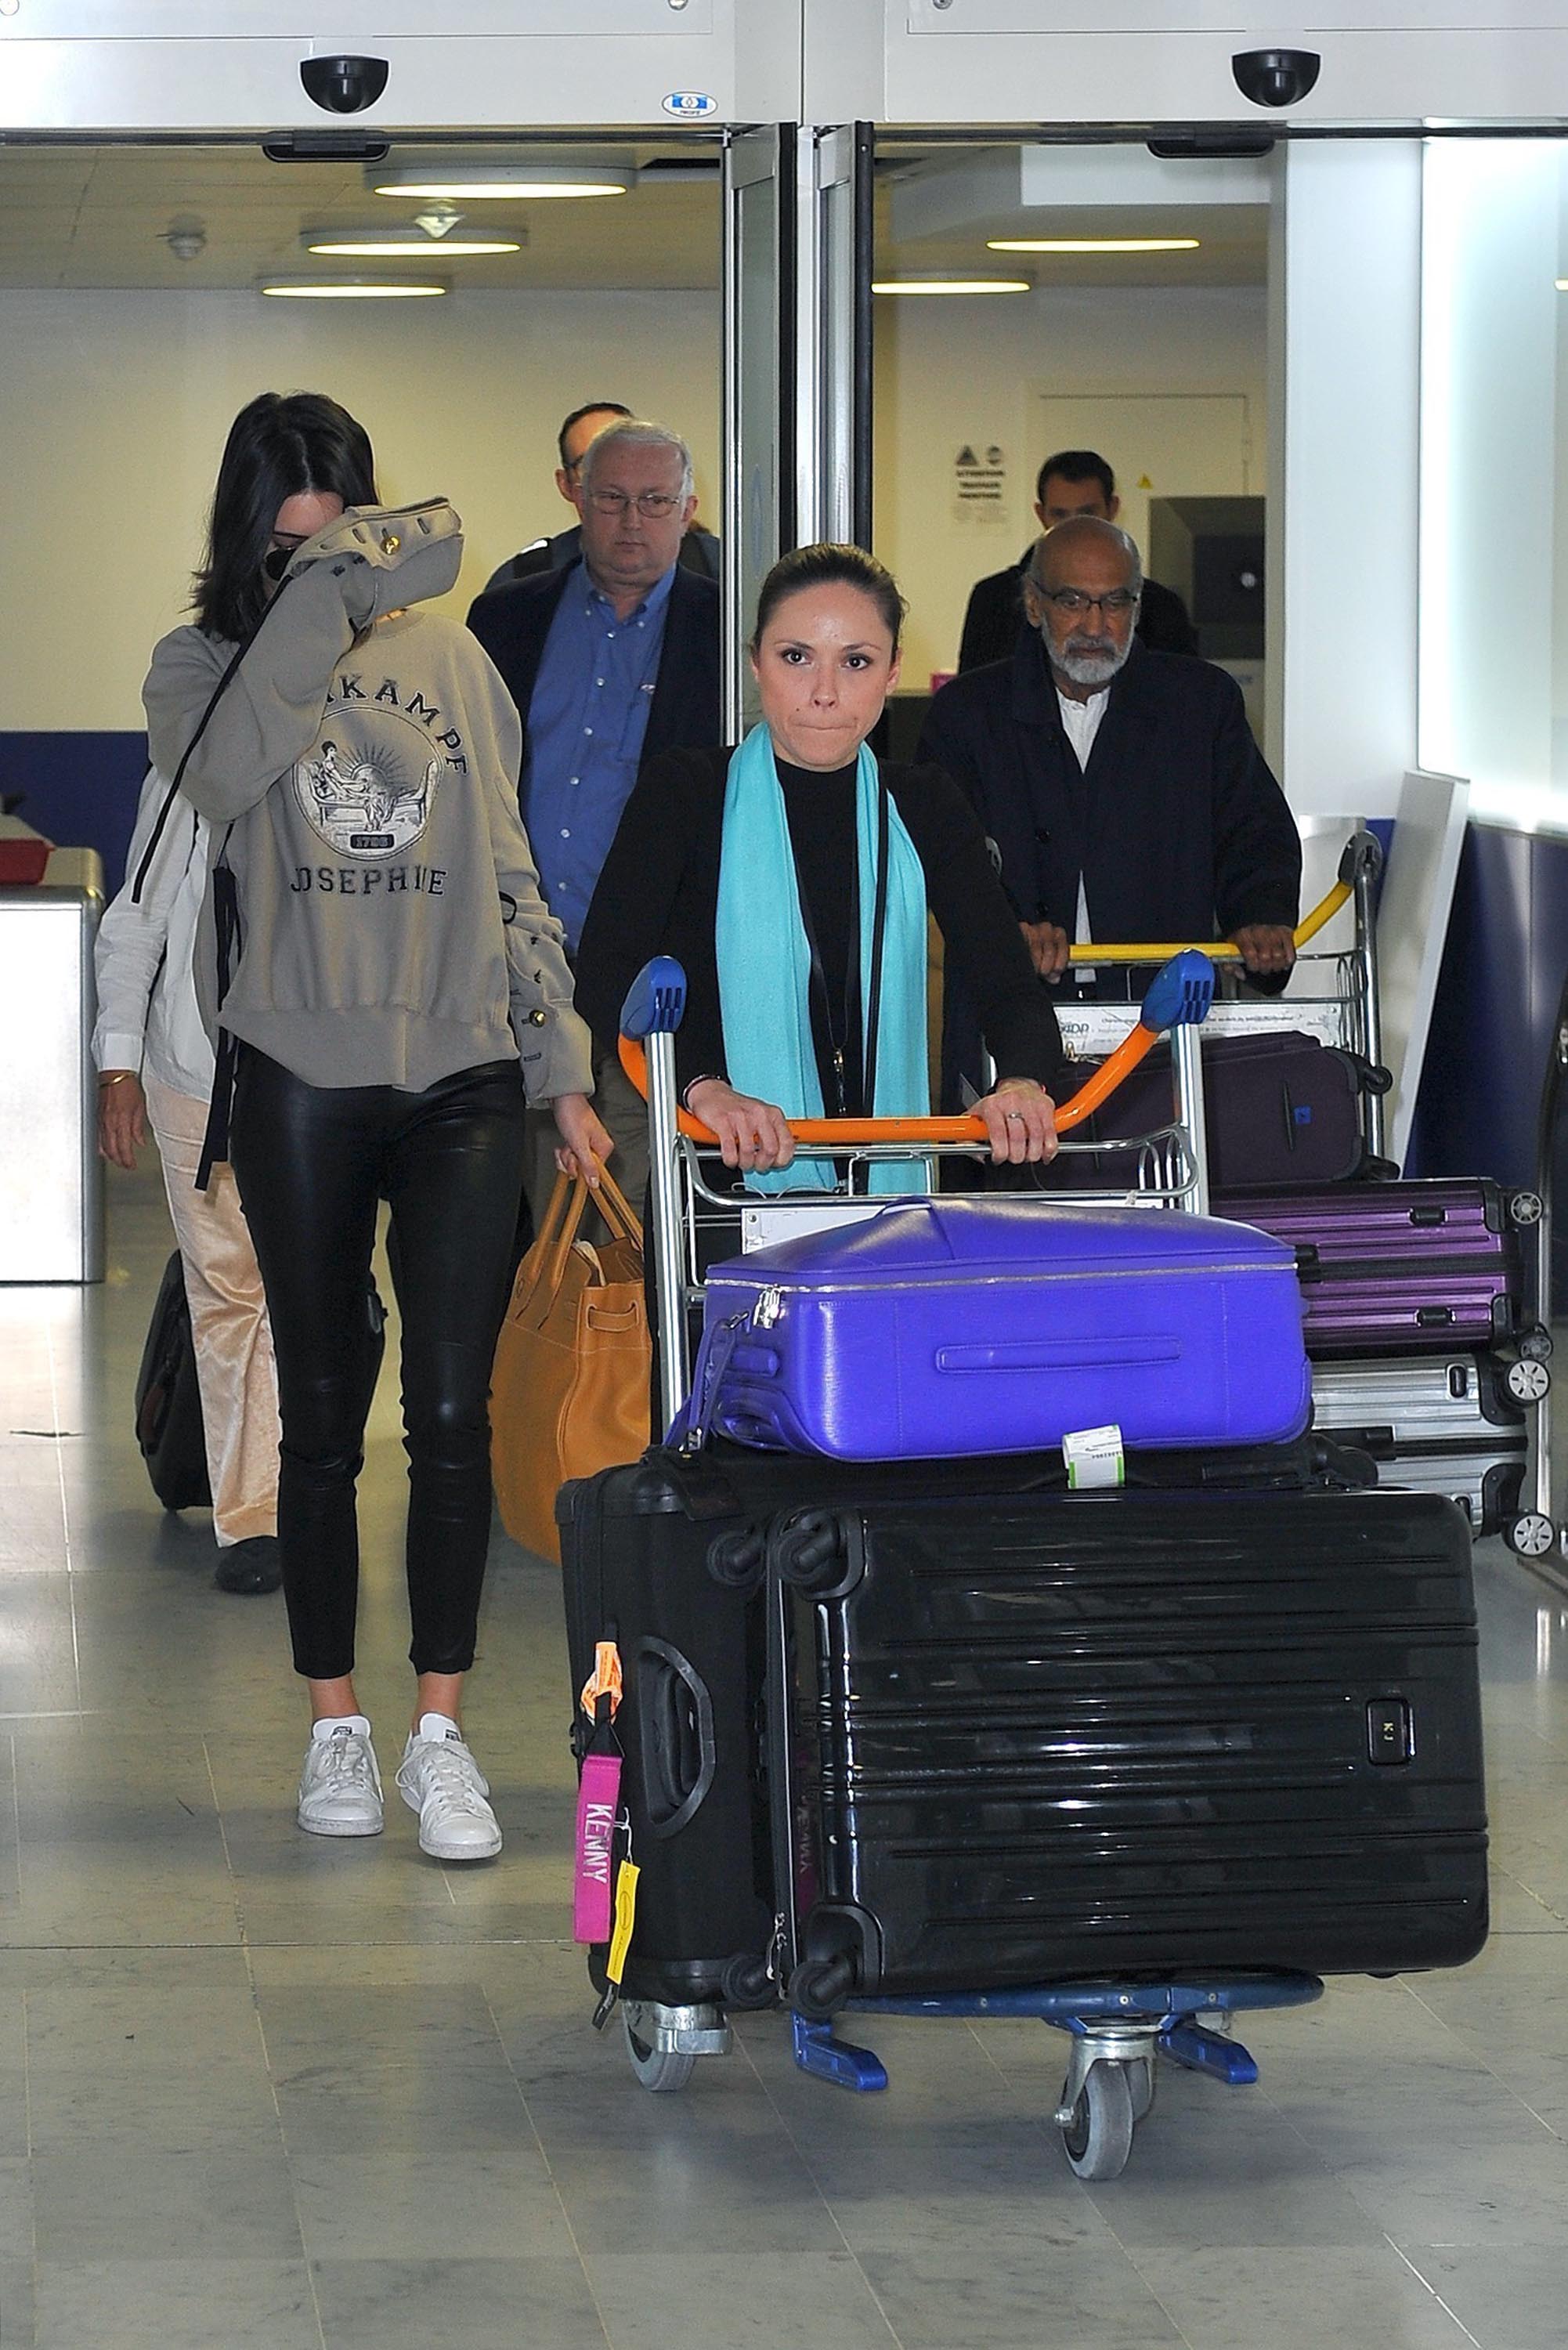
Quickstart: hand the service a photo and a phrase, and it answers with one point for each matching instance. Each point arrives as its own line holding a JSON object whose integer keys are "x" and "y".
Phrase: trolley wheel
{"x": 1526, "y": 1381}
{"x": 1530, "y": 1535}
{"x": 661, "y": 2071}
{"x": 1141, "y": 2083}
{"x": 1535, "y": 1344}
{"x": 1098, "y": 2139}
{"x": 1524, "y": 1207}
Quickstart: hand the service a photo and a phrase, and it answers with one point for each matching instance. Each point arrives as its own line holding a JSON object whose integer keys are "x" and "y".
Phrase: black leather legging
{"x": 311, "y": 1162}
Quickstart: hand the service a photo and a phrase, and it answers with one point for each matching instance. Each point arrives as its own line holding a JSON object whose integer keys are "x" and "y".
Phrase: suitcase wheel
{"x": 1531, "y": 1535}
{"x": 1097, "y": 2138}
{"x": 1526, "y": 1381}
{"x": 1524, "y": 1207}
{"x": 661, "y": 2071}
{"x": 819, "y": 1987}
{"x": 1535, "y": 1344}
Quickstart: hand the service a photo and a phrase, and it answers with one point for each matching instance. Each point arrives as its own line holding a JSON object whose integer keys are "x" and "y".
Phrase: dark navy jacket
{"x": 512, "y": 624}
{"x": 1178, "y": 827}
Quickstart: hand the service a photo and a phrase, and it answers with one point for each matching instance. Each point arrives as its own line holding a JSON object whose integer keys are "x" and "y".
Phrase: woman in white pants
{"x": 155, "y": 1067}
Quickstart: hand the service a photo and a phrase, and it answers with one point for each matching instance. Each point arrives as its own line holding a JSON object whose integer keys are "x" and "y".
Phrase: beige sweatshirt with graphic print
{"x": 391, "y": 926}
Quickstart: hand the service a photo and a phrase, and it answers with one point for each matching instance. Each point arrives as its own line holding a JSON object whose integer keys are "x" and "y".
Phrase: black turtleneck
{"x": 658, "y": 893}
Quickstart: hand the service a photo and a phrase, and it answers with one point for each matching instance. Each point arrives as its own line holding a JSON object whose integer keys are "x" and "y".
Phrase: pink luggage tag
{"x": 598, "y": 1802}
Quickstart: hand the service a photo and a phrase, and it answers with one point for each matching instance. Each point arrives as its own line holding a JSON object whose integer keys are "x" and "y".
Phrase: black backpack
{"x": 169, "y": 1403}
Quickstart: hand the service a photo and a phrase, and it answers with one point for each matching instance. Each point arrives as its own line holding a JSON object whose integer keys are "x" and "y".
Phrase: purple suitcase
{"x": 1400, "y": 1267}
{"x": 1001, "y": 1324}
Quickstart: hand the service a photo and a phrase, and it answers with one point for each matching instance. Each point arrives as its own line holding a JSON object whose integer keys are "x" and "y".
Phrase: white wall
{"x": 114, "y": 408}
{"x": 956, "y": 371}
{"x": 1345, "y": 334}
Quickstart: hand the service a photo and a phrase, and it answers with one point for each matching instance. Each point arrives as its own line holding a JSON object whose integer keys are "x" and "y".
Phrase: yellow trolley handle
{"x": 1217, "y": 950}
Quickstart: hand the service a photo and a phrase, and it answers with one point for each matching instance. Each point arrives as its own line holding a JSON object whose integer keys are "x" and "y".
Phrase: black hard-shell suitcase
{"x": 1280, "y": 1108}
{"x": 666, "y": 1557}
{"x": 169, "y": 1403}
{"x": 1124, "y": 1733}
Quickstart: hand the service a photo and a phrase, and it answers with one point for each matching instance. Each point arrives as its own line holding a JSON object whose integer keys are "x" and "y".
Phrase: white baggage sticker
{"x": 1094, "y": 1457}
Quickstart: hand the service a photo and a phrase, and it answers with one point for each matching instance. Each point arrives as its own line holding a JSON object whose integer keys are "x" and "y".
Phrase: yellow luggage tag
{"x": 625, "y": 1920}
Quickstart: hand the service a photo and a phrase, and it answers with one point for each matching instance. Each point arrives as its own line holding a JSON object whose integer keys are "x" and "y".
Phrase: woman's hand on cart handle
{"x": 1265, "y": 948}
{"x": 751, "y": 1134}
{"x": 1020, "y": 1121}
{"x": 586, "y": 1143}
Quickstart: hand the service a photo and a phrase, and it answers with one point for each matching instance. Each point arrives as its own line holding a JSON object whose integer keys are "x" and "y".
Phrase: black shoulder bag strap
{"x": 173, "y": 792}
{"x": 227, "y": 943}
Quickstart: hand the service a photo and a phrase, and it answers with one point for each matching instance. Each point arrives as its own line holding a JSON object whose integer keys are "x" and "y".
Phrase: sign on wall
{"x": 980, "y": 483}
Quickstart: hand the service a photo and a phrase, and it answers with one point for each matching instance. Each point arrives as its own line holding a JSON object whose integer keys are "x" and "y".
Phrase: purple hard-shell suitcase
{"x": 1399, "y": 1267}
{"x": 1001, "y": 1324}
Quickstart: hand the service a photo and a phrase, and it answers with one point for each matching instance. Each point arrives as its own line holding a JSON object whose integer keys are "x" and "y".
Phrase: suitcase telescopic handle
{"x": 1221, "y": 949}
{"x": 1177, "y": 996}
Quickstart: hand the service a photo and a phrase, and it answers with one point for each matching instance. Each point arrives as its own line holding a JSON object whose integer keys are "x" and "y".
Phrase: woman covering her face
{"x": 394, "y": 985}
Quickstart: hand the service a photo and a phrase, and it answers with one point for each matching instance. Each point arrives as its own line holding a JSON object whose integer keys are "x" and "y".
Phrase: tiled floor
{"x": 264, "y": 2091}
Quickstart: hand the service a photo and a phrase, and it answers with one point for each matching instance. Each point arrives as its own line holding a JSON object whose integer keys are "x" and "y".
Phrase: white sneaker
{"x": 438, "y": 1778}
{"x": 340, "y": 1787}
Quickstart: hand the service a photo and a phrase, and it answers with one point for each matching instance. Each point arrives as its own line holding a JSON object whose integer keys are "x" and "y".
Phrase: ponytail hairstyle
{"x": 828, "y": 566}
{"x": 278, "y": 448}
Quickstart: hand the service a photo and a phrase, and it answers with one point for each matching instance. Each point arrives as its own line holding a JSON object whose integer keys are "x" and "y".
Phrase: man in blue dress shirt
{"x": 611, "y": 661}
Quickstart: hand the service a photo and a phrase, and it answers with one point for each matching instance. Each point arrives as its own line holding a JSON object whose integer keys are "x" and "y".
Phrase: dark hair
{"x": 588, "y": 408}
{"x": 827, "y": 566}
{"x": 278, "y": 448}
{"x": 1075, "y": 465}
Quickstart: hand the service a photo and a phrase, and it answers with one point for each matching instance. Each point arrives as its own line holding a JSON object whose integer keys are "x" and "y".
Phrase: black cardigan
{"x": 659, "y": 894}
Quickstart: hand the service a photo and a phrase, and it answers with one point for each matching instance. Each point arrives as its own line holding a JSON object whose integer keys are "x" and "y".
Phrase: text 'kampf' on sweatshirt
{"x": 391, "y": 926}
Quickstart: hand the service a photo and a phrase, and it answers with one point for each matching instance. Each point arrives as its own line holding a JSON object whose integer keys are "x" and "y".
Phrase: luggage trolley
{"x": 1535, "y": 1534}
{"x": 1118, "y": 2030}
{"x": 1504, "y": 1487}
{"x": 1338, "y": 1005}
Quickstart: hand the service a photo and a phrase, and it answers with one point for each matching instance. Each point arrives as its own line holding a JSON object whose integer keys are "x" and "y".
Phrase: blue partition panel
{"x": 1492, "y": 1020}
{"x": 80, "y": 789}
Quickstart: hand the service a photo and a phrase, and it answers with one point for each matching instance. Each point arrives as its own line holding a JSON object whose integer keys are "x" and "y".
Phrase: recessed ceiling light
{"x": 349, "y": 289}
{"x": 479, "y": 182}
{"x": 1091, "y": 244}
{"x": 399, "y": 244}
{"x": 951, "y": 285}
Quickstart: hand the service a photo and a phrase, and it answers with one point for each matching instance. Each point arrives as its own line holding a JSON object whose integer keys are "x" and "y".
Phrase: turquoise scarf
{"x": 764, "y": 963}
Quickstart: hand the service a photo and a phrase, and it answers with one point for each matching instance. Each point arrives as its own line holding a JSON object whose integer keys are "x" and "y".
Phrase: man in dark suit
{"x": 610, "y": 661}
{"x": 698, "y": 548}
{"x": 1122, "y": 788}
{"x": 1075, "y": 482}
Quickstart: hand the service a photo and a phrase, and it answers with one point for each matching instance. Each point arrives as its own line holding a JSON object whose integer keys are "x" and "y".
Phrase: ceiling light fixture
{"x": 951, "y": 285}
{"x": 1091, "y": 244}
{"x": 349, "y": 289}
{"x": 399, "y": 244}
{"x": 464, "y": 180}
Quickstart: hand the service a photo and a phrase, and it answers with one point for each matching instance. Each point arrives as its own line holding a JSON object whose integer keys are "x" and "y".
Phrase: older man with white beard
{"x": 1122, "y": 787}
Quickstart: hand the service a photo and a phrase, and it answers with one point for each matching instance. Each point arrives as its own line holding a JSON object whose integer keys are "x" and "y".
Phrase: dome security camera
{"x": 343, "y": 85}
{"x": 1276, "y": 77}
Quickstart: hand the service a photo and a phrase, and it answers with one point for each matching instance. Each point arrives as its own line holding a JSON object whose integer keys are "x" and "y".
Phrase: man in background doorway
{"x": 1121, "y": 788}
{"x": 610, "y": 661}
{"x": 1075, "y": 482}
{"x": 698, "y": 548}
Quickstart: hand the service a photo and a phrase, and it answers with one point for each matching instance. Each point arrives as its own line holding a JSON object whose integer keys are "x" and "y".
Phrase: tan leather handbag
{"x": 569, "y": 1392}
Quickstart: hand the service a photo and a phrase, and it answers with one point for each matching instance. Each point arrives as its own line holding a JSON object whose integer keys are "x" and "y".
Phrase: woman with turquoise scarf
{"x": 792, "y": 877}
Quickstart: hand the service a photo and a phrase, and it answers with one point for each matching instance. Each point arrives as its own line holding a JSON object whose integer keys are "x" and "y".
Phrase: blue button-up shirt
{"x": 586, "y": 728}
